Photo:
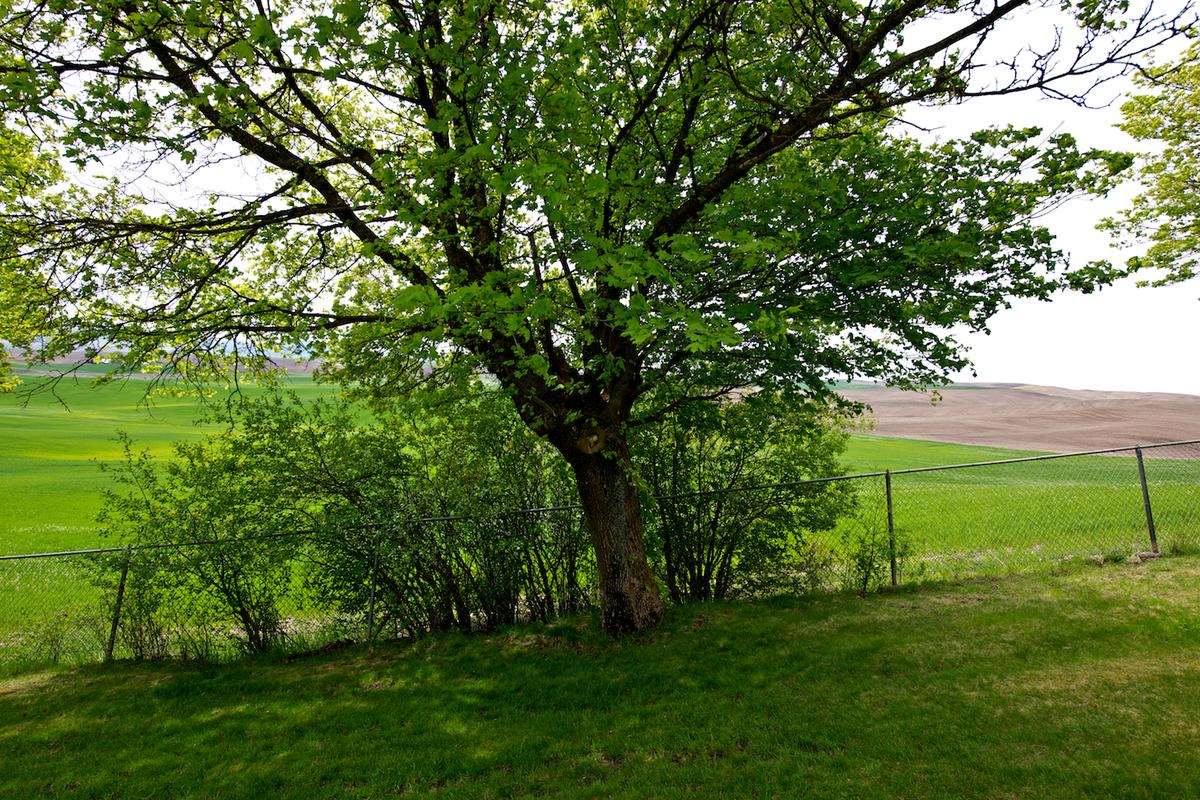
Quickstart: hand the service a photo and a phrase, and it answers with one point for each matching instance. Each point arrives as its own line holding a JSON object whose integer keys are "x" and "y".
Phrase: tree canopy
{"x": 584, "y": 200}
{"x": 22, "y": 294}
{"x": 1165, "y": 218}
{"x": 565, "y": 193}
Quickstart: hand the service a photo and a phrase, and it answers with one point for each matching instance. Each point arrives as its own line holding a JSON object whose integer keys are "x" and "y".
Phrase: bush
{"x": 216, "y": 494}
{"x": 405, "y": 515}
{"x": 429, "y": 518}
{"x": 726, "y": 515}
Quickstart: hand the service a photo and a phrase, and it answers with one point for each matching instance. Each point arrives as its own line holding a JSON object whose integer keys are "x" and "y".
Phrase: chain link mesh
{"x": 50, "y": 612}
{"x": 1173, "y": 483}
{"x": 944, "y": 522}
{"x": 1003, "y": 517}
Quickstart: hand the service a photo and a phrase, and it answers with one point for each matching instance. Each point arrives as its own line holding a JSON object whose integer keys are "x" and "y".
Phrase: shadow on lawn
{"x": 1054, "y": 687}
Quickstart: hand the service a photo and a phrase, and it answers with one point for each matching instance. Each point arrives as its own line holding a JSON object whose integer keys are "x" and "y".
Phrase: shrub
{"x": 216, "y": 494}
{"x": 406, "y": 513}
{"x": 414, "y": 502}
{"x": 728, "y": 517}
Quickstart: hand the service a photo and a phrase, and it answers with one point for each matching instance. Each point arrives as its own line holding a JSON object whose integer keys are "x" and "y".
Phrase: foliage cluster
{"x": 23, "y": 177}
{"x": 406, "y": 513}
{"x": 1166, "y": 215}
{"x": 726, "y": 515}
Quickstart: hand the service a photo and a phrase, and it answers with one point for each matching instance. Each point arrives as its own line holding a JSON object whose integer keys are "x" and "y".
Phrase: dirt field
{"x": 1033, "y": 417}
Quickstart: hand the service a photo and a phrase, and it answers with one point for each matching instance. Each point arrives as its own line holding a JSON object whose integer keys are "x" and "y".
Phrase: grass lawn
{"x": 1084, "y": 683}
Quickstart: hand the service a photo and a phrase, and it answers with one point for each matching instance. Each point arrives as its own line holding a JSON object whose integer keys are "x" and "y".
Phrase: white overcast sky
{"x": 1124, "y": 337}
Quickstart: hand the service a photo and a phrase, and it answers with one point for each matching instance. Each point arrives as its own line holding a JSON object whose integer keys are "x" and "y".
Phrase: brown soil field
{"x": 1032, "y": 417}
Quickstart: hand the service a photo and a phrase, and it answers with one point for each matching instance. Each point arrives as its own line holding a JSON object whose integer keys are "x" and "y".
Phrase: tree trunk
{"x": 629, "y": 599}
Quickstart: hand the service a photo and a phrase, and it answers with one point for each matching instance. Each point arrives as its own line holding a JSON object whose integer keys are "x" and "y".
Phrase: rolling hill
{"x": 1027, "y": 417}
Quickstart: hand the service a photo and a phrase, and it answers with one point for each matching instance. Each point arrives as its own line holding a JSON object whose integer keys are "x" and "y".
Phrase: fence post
{"x": 887, "y": 485}
{"x": 116, "y": 619}
{"x": 371, "y": 601}
{"x": 1146, "y": 500}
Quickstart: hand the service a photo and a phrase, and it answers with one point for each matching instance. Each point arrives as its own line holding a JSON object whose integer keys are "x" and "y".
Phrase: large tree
{"x": 582, "y": 200}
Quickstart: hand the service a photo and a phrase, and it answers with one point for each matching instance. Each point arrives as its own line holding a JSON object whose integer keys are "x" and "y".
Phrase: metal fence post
{"x": 887, "y": 485}
{"x": 116, "y": 619}
{"x": 1146, "y": 500}
{"x": 371, "y": 600}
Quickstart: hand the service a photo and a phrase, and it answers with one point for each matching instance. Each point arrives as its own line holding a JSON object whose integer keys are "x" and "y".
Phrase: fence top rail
{"x": 133, "y": 548}
{"x": 57, "y": 553}
{"x": 1047, "y": 456}
{"x": 577, "y": 507}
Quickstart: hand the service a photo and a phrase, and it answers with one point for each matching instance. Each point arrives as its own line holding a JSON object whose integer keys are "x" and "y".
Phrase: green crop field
{"x": 52, "y": 445}
{"x": 867, "y": 453}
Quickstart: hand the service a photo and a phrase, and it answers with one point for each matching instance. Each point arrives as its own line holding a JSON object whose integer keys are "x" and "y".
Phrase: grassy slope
{"x": 1083, "y": 684}
{"x": 50, "y": 448}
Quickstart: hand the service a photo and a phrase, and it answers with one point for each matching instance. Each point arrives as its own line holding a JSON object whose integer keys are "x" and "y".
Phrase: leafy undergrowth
{"x": 1083, "y": 684}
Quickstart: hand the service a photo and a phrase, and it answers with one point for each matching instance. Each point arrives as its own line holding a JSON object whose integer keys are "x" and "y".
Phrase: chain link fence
{"x": 296, "y": 591}
{"x": 1006, "y": 516}
{"x": 310, "y": 590}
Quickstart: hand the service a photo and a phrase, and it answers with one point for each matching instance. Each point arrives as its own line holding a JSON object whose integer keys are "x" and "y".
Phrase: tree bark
{"x": 629, "y": 598}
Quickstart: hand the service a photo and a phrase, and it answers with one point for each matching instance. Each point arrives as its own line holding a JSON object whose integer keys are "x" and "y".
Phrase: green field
{"x": 1080, "y": 684}
{"x": 51, "y": 446}
{"x": 868, "y": 453}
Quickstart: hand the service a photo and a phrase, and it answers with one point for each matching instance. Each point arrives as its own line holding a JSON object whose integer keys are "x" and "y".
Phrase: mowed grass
{"x": 51, "y": 446}
{"x": 1080, "y": 684}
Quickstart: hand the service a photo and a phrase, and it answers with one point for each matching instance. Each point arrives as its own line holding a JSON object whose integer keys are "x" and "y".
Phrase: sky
{"x": 1124, "y": 337}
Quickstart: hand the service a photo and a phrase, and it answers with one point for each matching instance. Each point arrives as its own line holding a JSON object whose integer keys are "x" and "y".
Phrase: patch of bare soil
{"x": 1032, "y": 417}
